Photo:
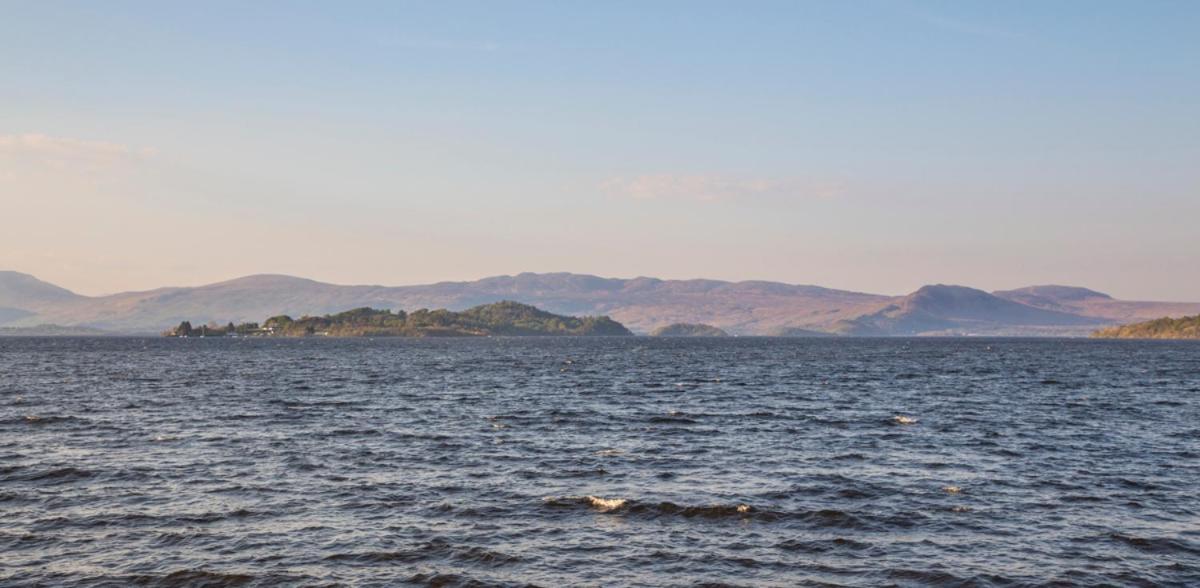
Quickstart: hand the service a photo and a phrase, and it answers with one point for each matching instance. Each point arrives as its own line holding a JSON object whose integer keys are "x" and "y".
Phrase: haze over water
{"x": 480, "y": 462}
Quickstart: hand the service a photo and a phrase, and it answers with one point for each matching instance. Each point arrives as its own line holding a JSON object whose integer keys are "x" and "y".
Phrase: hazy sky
{"x": 874, "y": 146}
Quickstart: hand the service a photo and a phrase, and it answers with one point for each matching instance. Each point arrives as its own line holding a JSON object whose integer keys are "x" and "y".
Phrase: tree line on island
{"x": 499, "y": 319}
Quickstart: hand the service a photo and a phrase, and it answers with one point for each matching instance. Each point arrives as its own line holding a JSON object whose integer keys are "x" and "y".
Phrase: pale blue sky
{"x": 865, "y": 145}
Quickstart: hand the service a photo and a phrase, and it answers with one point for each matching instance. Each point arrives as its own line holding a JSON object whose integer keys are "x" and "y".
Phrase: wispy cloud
{"x": 46, "y": 158}
{"x": 713, "y": 188}
{"x": 66, "y": 148}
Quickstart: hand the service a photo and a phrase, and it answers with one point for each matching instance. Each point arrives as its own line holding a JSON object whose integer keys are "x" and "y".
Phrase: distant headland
{"x": 1187, "y": 327}
{"x": 506, "y": 318}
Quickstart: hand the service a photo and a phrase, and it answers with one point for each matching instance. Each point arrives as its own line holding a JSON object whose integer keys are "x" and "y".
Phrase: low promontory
{"x": 1187, "y": 327}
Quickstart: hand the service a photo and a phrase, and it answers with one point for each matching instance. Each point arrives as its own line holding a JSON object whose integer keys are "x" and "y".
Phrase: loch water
{"x": 598, "y": 462}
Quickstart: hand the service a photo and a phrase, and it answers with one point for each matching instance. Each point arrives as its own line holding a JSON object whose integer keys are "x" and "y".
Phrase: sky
{"x": 873, "y": 146}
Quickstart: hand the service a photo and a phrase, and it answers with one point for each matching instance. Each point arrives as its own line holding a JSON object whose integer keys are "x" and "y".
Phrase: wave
{"x": 927, "y": 577}
{"x": 67, "y": 474}
{"x": 606, "y": 504}
{"x": 432, "y": 550}
{"x": 628, "y": 506}
{"x": 826, "y": 518}
{"x": 172, "y": 539}
{"x": 357, "y": 432}
{"x": 142, "y": 519}
{"x": 25, "y": 540}
{"x": 43, "y": 420}
{"x": 8, "y": 469}
{"x": 297, "y": 404}
{"x": 823, "y": 545}
{"x": 440, "y": 580}
{"x": 202, "y": 579}
{"x": 672, "y": 420}
{"x": 1159, "y": 545}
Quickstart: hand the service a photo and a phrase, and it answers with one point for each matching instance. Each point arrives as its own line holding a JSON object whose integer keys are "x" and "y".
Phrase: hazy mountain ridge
{"x": 20, "y": 291}
{"x": 1084, "y": 302}
{"x": 642, "y": 304}
{"x": 52, "y": 331}
{"x": 950, "y": 310}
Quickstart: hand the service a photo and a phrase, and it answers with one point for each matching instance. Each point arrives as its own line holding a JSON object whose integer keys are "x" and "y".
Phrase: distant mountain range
{"x": 642, "y": 304}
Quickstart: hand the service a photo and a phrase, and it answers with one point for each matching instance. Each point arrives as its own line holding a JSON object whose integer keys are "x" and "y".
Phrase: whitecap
{"x": 904, "y": 420}
{"x": 606, "y": 504}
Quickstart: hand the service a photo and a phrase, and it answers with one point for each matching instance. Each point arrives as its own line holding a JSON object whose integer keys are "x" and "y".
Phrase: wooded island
{"x": 500, "y": 319}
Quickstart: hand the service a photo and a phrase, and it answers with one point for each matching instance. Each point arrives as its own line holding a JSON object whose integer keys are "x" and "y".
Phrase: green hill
{"x": 1187, "y": 327}
{"x": 502, "y": 318}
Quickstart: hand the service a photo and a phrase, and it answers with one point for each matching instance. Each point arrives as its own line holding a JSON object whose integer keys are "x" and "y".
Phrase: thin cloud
{"x": 40, "y": 158}
{"x": 712, "y": 188}
{"x": 66, "y": 148}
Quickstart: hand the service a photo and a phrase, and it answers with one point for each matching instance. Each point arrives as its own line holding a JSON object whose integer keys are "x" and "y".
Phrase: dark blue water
{"x": 750, "y": 462}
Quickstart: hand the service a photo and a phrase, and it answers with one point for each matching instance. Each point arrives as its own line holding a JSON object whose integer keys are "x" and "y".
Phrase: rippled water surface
{"x": 754, "y": 462}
